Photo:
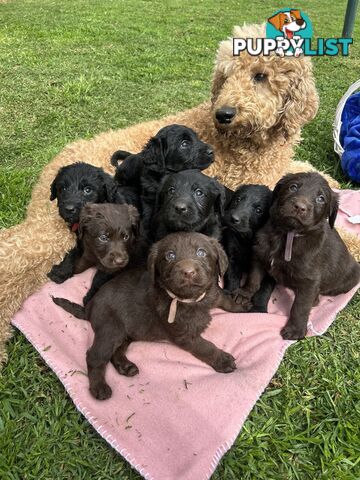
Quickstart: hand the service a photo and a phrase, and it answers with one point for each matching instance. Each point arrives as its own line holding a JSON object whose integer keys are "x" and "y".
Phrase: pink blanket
{"x": 177, "y": 418}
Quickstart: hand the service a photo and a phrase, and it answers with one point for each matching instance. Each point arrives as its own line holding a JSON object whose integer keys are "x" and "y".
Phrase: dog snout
{"x": 300, "y": 22}
{"x": 300, "y": 206}
{"x": 235, "y": 218}
{"x": 70, "y": 208}
{"x": 181, "y": 207}
{"x": 118, "y": 260}
{"x": 209, "y": 152}
{"x": 187, "y": 269}
{"x": 225, "y": 114}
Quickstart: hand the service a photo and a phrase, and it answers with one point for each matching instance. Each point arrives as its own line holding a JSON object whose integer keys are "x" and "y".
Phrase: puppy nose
{"x": 225, "y": 114}
{"x": 300, "y": 21}
{"x": 70, "y": 208}
{"x": 181, "y": 207}
{"x": 300, "y": 206}
{"x": 235, "y": 218}
{"x": 188, "y": 271}
{"x": 118, "y": 260}
{"x": 209, "y": 152}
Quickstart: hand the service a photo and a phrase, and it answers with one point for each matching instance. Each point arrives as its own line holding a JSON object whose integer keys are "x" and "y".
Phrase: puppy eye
{"x": 199, "y": 193}
{"x": 171, "y": 190}
{"x": 286, "y": 20}
{"x": 170, "y": 255}
{"x": 87, "y": 190}
{"x": 320, "y": 199}
{"x": 260, "y": 77}
{"x": 201, "y": 252}
{"x": 293, "y": 188}
{"x": 126, "y": 237}
{"x": 103, "y": 238}
{"x": 258, "y": 210}
{"x": 63, "y": 188}
{"x": 184, "y": 144}
{"x": 237, "y": 200}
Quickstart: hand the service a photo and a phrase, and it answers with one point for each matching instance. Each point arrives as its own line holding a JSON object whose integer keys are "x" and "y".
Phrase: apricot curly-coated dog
{"x": 253, "y": 120}
{"x": 168, "y": 301}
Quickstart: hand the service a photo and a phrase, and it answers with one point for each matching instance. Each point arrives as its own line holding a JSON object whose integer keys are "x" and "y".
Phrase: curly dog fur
{"x": 256, "y": 147}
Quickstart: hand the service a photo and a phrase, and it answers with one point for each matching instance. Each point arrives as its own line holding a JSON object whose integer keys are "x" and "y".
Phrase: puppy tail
{"x": 118, "y": 155}
{"x": 74, "y": 308}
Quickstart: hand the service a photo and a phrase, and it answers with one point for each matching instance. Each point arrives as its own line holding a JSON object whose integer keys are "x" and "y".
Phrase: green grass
{"x": 70, "y": 70}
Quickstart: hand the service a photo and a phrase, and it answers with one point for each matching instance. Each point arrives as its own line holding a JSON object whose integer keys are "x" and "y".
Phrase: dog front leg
{"x": 296, "y": 327}
{"x": 227, "y": 302}
{"x": 66, "y": 269}
{"x": 208, "y": 353}
{"x": 98, "y": 281}
{"x": 252, "y": 284}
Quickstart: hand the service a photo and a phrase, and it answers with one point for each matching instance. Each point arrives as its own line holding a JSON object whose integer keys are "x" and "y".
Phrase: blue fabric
{"x": 350, "y": 137}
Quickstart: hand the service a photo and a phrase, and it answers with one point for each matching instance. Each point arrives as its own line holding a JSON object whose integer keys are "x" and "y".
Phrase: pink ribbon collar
{"x": 289, "y": 243}
{"x": 175, "y": 299}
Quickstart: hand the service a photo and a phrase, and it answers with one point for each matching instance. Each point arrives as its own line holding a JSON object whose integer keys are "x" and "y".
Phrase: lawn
{"x": 72, "y": 69}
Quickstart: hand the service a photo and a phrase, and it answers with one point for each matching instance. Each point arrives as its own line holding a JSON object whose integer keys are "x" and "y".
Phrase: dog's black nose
{"x": 300, "y": 22}
{"x": 225, "y": 114}
{"x": 70, "y": 208}
{"x": 235, "y": 218}
{"x": 209, "y": 152}
{"x": 181, "y": 207}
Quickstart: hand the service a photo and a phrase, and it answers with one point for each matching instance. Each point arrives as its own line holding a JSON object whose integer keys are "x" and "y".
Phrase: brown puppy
{"x": 170, "y": 301}
{"x": 108, "y": 233}
{"x": 300, "y": 248}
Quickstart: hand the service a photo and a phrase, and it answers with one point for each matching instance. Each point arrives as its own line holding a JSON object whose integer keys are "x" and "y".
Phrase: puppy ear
{"x": 222, "y": 258}
{"x": 333, "y": 210}
{"x": 159, "y": 194}
{"x": 301, "y": 100}
{"x": 134, "y": 219}
{"x": 220, "y": 201}
{"x": 151, "y": 262}
{"x": 276, "y": 20}
{"x": 53, "y": 188}
{"x": 296, "y": 13}
{"x": 110, "y": 190}
{"x": 279, "y": 185}
{"x": 153, "y": 155}
{"x": 86, "y": 213}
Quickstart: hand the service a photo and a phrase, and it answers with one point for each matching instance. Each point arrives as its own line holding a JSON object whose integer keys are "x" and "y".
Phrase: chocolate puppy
{"x": 246, "y": 213}
{"x": 300, "y": 248}
{"x": 170, "y": 301}
{"x": 188, "y": 201}
{"x": 109, "y": 234}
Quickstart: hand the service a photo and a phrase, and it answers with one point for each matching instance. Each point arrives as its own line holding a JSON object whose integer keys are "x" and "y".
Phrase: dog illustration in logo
{"x": 288, "y": 23}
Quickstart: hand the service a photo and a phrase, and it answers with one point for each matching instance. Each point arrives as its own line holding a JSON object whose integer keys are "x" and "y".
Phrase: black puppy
{"x": 73, "y": 187}
{"x": 174, "y": 148}
{"x": 188, "y": 201}
{"x": 247, "y": 211}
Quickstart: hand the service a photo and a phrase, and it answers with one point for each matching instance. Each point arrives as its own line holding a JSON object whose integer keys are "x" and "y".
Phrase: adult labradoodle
{"x": 253, "y": 120}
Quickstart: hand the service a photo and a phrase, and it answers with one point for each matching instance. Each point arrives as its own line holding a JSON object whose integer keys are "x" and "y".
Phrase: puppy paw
{"x": 129, "y": 369}
{"x": 101, "y": 391}
{"x": 293, "y": 332}
{"x": 57, "y": 275}
{"x": 225, "y": 363}
{"x": 240, "y": 295}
